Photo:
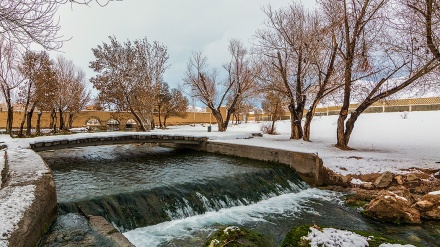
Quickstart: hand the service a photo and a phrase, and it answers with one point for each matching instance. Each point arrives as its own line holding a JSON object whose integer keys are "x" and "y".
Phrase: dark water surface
{"x": 161, "y": 196}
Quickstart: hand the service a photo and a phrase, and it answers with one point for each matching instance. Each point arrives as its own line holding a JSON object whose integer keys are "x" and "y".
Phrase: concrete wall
{"x": 308, "y": 166}
{"x": 29, "y": 190}
{"x": 42, "y": 211}
{"x": 80, "y": 119}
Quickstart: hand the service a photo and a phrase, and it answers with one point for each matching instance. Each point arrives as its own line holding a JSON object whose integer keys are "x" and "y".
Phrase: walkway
{"x": 111, "y": 138}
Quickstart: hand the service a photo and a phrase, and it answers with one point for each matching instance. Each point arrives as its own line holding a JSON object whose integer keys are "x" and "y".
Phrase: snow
{"x": 13, "y": 203}
{"x": 329, "y": 237}
{"x": 356, "y": 181}
{"x": 396, "y": 245}
{"x": 230, "y": 229}
{"x": 25, "y": 166}
{"x": 333, "y": 237}
{"x": 381, "y": 141}
{"x": 2, "y": 163}
{"x": 435, "y": 192}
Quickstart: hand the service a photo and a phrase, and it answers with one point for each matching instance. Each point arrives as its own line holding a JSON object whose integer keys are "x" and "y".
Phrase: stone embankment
{"x": 28, "y": 202}
{"x": 399, "y": 199}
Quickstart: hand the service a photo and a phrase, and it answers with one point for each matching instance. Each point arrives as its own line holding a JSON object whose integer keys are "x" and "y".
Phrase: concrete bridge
{"x": 97, "y": 139}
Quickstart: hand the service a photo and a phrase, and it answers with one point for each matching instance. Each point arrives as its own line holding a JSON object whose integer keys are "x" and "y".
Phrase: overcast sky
{"x": 184, "y": 26}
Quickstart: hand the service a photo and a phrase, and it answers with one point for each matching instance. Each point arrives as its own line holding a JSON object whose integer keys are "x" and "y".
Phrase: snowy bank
{"x": 27, "y": 196}
{"x": 382, "y": 142}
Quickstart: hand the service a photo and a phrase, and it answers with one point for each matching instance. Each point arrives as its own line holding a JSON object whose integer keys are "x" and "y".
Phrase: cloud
{"x": 182, "y": 26}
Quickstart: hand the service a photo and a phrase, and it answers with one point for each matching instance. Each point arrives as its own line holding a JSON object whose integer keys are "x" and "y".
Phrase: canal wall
{"x": 308, "y": 165}
{"x": 28, "y": 202}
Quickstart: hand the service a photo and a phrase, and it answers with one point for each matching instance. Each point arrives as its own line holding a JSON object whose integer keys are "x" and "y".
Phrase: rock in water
{"x": 384, "y": 180}
{"x": 429, "y": 207}
{"x": 390, "y": 207}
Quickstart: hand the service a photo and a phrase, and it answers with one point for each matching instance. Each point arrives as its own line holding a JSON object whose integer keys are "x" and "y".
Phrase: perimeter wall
{"x": 83, "y": 118}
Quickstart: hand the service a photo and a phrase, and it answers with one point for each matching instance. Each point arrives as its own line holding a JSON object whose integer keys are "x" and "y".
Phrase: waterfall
{"x": 142, "y": 208}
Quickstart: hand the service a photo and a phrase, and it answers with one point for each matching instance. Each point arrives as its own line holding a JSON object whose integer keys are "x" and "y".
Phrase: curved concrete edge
{"x": 28, "y": 199}
{"x": 308, "y": 165}
{"x": 29, "y": 178}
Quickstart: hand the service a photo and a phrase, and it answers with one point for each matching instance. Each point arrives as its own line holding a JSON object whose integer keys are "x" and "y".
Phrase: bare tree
{"x": 237, "y": 86}
{"x": 129, "y": 74}
{"x": 423, "y": 17}
{"x": 176, "y": 106}
{"x": 101, "y": 3}
{"x": 289, "y": 44}
{"x": 23, "y": 22}
{"x": 72, "y": 94}
{"x": 273, "y": 104}
{"x": 374, "y": 50}
{"x": 324, "y": 66}
{"x": 37, "y": 69}
{"x": 10, "y": 78}
{"x": 163, "y": 98}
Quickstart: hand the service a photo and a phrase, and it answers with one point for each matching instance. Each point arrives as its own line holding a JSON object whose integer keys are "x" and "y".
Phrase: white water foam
{"x": 284, "y": 205}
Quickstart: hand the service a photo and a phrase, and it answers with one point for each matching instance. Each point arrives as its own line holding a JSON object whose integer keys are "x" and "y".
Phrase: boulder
{"x": 412, "y": 177}
{"x": 429, "y": 207}
{"x": 384, "y": 180}
{"x": 421, "y": 189}
{"x": 368, "y": 185}
{"x": 366, "y": 195}
{"x": 390, "y": 207}
{"x": 399, "y": 179}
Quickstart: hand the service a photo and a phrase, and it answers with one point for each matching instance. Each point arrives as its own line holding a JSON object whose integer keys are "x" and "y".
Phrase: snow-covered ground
{"x": 382, "y": 141}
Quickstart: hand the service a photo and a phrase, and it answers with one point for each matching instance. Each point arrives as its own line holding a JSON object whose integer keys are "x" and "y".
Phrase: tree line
{"x": 38, "y": 84}
{"x": 342, "y": 51}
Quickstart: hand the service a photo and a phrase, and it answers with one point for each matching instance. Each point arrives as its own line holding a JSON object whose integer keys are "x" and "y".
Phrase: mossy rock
{"x": 233, "y": 236}
{"x": 294, "y": 238}
{"x": 375, "y": 240}
{"x": 353, "y": 202}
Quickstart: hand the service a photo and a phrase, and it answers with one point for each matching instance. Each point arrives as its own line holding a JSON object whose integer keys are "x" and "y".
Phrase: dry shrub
{"x": 266, "y": 128}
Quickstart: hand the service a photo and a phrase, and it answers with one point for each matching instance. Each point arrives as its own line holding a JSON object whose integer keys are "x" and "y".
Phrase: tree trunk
{"x": 140, "y": 121}
{"x": 160, "y": 121}
{"x": 165, "y": 122}
{"x": 53, "y": 120}
{"x": 38, "y": 127}
{"x": 272, "y": 129}
{"x": 295, "y": 124}
{"x": 222, "y": 125}
{"x": 29, "y": 120}
{"x": 10, "y": 119}
{"x": 62, "y": 125}
{"x": 23, "y": 121}
{"x": 309, "y": 117}
{"x": 70, "y": 122}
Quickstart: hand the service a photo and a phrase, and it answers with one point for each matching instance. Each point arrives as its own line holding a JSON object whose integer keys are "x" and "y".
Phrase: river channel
{"x": 160, "y": 196}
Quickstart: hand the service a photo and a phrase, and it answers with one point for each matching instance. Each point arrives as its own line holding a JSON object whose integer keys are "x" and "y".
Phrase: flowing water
{"x": 161, "y": 196}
